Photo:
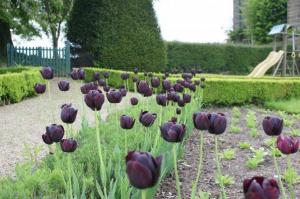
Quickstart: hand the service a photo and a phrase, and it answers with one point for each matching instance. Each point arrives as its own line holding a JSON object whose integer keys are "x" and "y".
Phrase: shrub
{"x": 18, "y": 83}
{"x": 127, "y": 33}
{"x": 215, "y": 58}
{"x": 228, "y": 90}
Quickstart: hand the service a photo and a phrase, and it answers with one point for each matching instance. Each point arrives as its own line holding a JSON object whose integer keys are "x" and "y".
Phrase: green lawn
{"x": 290, "y": 106}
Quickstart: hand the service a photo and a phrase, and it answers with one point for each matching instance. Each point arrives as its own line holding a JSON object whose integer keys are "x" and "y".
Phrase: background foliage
{"x": 118, "y": 34}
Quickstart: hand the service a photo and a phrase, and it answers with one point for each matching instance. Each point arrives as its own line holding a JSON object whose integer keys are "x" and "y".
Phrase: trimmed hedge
{"x": 17, "y": 83}
{"x": 227, "y": 90}
{"x": 215, "y": 58}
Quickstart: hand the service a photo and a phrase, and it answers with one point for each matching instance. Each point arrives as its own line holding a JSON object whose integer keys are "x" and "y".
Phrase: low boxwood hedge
{"x": 17, "y": 83}
{"x": 226, "y": 90}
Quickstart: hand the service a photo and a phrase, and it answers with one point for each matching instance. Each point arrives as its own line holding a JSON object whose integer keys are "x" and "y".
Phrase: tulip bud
{"x": 147, "y": 119}
{"x": 187, "y": 98}
{"x": 96, "y": 76}
{"x": 114, "y": 96}
{"x": 47, "y": 72}
{"x": 142, "y": 169}
{"x": 272, "y": 125}
{"x": 202, "y": 85}
{"x": 74, "y": 75}
{"x": 88, "y": 87}
{"x": 180, "y": 102}
{"x": 40, "y": 88}
{"x": 261, "y": 188}
{"x": 68, "y": 145}
{"x": 197, "y": 82}
{"x": 199, "y": 71}
{"x": 81, "y": 74}
{"x": 148, "y": 93}
{"x": 193, "y": 71}
{"x": 201, "y": 121}
{"x": 143, "y": 87}
{"x": 101, "y": 82}
{"x": 126, "y": 122}
{"x": 178, "y": 88}
{"x": 166, "y": 85}
{"x": 68, "y": 113}
{"x": 161, "y": 99}
{"x": 135, "y": 79}
{"x": 106, "y": 88}
{"x": 46, "y": 138}
{"x": 55, "y": 132}
{"x": 63, "y": 85}
{"x": 106, "y": 75}
{"x": 124, "y": 76}
{"x": 202, "y": 79}
{"x": 134, "y": 101}
{"x": 155, "y": 82}
{"x": 172, "y": 132}
{"x": 123, "y": 92}
{"x": 287, "y": 144}
{"x": 94, "y": 99}
{"x": 218, "y": 123}
{"x": 135, "y": 70}
{"x": 192, "y": 87}
{"x": 178, "y": 111}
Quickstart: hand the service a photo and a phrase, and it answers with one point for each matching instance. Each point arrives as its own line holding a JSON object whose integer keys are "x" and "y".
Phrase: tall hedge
{"x": 118, "y": 34}
{"x": 216, "y": 58}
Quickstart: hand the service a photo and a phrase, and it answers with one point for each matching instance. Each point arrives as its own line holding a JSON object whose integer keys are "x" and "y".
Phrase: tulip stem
{"x": 50, "y": 100}
{"x": 199, "y": 166}
{"x": 102, "y": 168}
{"x": 176, "y": 172}
{"x": 127, "y": 85}
{"x": 278, "y": 172}
{"x": 116, "y": 113}
{"x": 290, "y": 184}
{"x": 143, "y": 193}
{"x": 70, "y": 176}
{"x": 219, "y": 172}
{"x": 126, "y": 143}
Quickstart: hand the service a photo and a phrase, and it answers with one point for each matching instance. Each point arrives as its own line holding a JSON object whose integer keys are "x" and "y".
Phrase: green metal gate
{"x": 57, "y": 58}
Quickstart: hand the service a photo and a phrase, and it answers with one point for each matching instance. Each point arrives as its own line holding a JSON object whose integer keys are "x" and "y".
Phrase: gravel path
{"x": 23, "y": 123}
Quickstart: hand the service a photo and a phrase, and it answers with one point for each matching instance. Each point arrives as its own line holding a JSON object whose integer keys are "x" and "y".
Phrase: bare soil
{"x": 235, "y": 168}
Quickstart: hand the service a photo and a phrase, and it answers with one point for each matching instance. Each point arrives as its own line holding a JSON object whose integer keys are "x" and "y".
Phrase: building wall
{"x": 294, "y": 12}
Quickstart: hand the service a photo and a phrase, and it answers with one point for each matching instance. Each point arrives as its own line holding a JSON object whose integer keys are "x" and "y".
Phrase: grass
{"x": 289, "y": 106}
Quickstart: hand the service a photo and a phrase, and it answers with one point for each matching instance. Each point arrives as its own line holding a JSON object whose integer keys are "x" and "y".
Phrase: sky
{"x": 199, "y": 21}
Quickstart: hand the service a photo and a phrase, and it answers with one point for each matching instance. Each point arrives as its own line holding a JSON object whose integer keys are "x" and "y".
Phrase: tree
{"x": 16, "y": 16}
{"x": 261, "y": 15}
{"x": 52, "y": 15}
{"x": 118, "y": 34}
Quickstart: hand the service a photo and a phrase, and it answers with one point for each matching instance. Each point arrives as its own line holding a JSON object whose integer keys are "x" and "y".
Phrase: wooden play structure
{"x": 286, "y": 59}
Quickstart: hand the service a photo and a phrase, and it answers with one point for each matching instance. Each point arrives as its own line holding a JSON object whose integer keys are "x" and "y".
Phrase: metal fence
{"x": 57, "y": 58}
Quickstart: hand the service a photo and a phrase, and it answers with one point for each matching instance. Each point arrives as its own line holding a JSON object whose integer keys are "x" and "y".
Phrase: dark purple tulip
{"x": 218, "y": 123}
{"x": 161, "y": 99}
{"x": 74, "y": 75}
{"x": 134, "y": 101}
{"x": 68, "y": 145}
{"x": 63, "y": 85}
{"x": 122, "y": 87}
{"x": 150, "y": 74}
{"x": 192, "y": 87}
{"x": 145, "y": 74}
{"x": 178, "y": 88}
{"x": 114, "y": 96}
{"x": 186, "y": 98}
{"x": 193, "y": 71}
{"x": 124, "y": 76}
{"x": 88, "y": 87}
{"x": 126, "y": 122}
{"x": 173, "y": 119}
{"x": 178, "y": 111}
{"x": 187, "y": 76}
{"x": 81, "y": 74}
{"x": 68, "y": 113}
{"x": 147, "y": 119}
{"x": 46, "y": 138}
{"x": 47, "y": 72}
{"x": 202, "y": 86}
{"x": 197, "y": 82}
{"x": 96, "y": 76}
{"x": 101, "y": 82}
{"x": 106, "y": 75}
{"x": 40, "y": 88}
{"x": 166, "y": 85}
{"x": 55, "y": 132}
{"x": 176, "y": 98}
{"x": 261, "y": 188}
{"x": 287, "y": 144}
{"x": 199, "y": 71}
{"x": 186, "y": 84}
{"x": 148, "y": 93}
{"x": 272, "y": 125}
{"x": 202, "y": 79}
{"x": 155, "y": 82}
{"x": 201, "y": 121}
{"x": 106, "y": 88}
{"x": 135, "y": 70}
{"x": 135, "y": 79}
{"x": 143, "y": 87}
{"x": 172, "y": 131}
{"x": 180, "y": 102}
{"x": 166, "y": 74}
{"x": 123, "y": 92}
{"x": 94, "y": 99}
{"x": 142, "y": 169}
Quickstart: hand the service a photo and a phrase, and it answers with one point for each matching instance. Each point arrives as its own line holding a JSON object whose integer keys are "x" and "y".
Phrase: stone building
{"x": 238, "y": 21}
{"x": 294, "y": 13}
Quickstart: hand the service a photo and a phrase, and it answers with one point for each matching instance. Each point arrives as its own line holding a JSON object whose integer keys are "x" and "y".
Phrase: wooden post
{"x": 285, "y": 40}
{"x": 68, "y": 57}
